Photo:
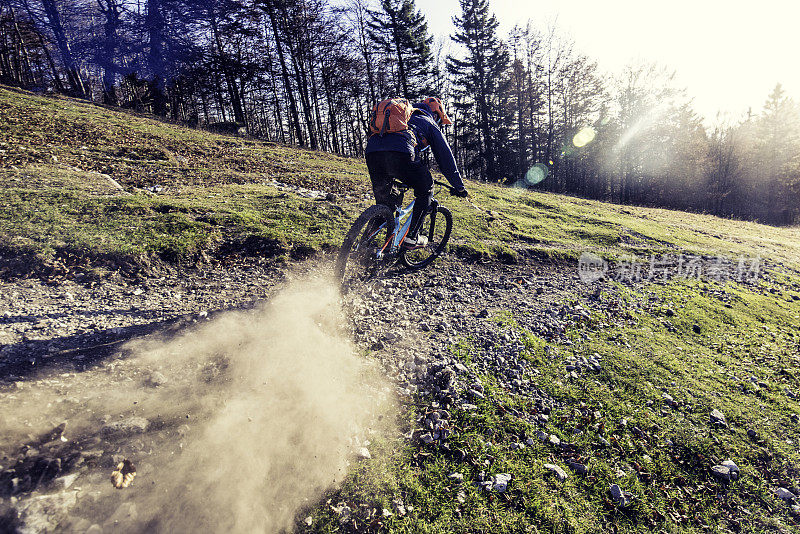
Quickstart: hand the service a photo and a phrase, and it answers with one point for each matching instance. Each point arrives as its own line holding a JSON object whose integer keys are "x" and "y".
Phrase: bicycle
{"x": 374, "y": 240}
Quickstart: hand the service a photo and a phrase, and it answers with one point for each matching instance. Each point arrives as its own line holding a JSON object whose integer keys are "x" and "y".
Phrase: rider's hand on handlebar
{"x": 463, "y": 193}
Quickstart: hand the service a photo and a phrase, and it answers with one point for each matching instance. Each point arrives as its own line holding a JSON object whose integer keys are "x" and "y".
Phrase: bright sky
{"x": 727, "y": 54}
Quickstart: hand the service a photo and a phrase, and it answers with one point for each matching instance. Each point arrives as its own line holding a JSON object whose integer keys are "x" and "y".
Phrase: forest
{"x": 528, "y": 110}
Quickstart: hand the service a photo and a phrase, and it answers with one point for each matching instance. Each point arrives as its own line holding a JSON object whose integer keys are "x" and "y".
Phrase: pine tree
{"x": 478, "y": 80}
{"x": 777, "y": 148}
{"x": 399, "y": 30}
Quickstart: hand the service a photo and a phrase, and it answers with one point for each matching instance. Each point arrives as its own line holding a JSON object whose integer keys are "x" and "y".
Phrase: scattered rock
{"x": 43, "y": 513}
{"x": 155, "y": 379}
{"x": 557, "y": 471}
{"x": 344, "y": 512}
{"x": 718, "y": 418}
{"x": 622, "y": 498}
{"x": 426, "y": 438}
{"x": 363, "y": 453}
{"x": 733, "y": 468}
{"x": 578, "y": 467}
{"x": 132, "y": 425}
{"x": 785, "y": 494}
{"x": 721, "y": 472}
{"x": 66, "y": 481}
{"x": 500, "y": 482}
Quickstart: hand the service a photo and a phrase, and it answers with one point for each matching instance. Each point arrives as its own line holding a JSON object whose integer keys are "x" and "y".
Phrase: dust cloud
{"x": 234, "y": 425}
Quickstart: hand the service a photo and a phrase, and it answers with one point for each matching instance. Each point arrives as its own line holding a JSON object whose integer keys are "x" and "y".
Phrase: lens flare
{"x": 536, "y": 174}
{"x": 584, "y": 137}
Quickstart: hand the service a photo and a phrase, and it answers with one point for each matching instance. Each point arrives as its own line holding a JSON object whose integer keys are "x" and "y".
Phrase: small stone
{"x": 622, "y": 498}
{"x": 44, "y": 513}
{"x": 733, "y": 468}
{"x": 578, "y": 467}
{"x": 786, "y": 495}
{"x": 399, "y": 507}
{"x": 66, "y": 481}
{"x": 309, "y": 521}
{"x": 500, "y": 482}
{"x": 721, "y": 472}
{"x": 718, "y": 418}
{"x": 554, "y": 441}
{"x": 456, "y": 476}
{"x": 557, "y": 471}
{"x": 363, "y": 453}
{"x": 343, "y": 511}
{"x": 426, "y": 438}
{"x": 133, "y": 425}
{"x": 155, "y": 380}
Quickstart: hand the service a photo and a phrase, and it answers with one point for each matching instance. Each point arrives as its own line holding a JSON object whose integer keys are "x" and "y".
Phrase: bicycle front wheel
{"x": 358, "y": 260}
{"x": 436, "y": 226}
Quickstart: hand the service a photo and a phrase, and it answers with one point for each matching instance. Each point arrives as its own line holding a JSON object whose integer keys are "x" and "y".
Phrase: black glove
{"x": 463, "y": 193}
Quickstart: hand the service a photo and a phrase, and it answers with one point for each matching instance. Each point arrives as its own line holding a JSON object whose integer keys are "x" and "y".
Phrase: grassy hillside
{"x": 83, "y": 183}
{"x": 91, "y": 190}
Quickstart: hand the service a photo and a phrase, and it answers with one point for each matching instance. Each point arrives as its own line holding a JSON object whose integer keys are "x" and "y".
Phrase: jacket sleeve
{"x": 444, "y": 156}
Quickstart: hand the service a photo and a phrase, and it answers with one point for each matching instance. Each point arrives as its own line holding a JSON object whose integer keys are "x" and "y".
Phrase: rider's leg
{"x": 419, "y": 177}
{"x": 381, "y": 166}
{"x": 414, "y": 174}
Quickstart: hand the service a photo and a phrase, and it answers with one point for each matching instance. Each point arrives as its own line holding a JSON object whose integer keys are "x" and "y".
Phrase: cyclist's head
{"x": 437, "y": 109}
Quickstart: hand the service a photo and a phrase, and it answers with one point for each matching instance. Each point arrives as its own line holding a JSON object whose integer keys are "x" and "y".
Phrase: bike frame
{"x": 392, "y": 244}
{"x": 401, "y": 230}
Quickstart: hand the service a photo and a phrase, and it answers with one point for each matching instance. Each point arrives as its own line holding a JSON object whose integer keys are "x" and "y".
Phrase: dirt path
{"x": 67, "y": 355}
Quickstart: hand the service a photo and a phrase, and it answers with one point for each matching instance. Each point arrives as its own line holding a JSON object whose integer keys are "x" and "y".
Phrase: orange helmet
{"x": 437, "y": 107}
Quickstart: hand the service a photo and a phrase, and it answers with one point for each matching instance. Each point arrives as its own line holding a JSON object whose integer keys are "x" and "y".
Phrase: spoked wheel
{"x": 358, "y": 263}
{"x": 437, "y": 223}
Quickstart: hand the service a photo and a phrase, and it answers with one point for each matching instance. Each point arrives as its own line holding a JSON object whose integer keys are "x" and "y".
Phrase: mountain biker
{"x": 398, "y": 155}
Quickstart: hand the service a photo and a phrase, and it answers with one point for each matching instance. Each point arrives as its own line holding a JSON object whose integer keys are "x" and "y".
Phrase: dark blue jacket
{"x": 427, "y": 133}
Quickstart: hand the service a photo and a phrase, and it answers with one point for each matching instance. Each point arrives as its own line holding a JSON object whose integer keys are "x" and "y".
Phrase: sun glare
{"x": 584, "y": 137}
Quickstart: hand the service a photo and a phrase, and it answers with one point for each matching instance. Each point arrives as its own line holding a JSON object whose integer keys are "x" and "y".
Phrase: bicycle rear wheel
{"x": 436, "y": 226}
{"x": 358, "y": 261}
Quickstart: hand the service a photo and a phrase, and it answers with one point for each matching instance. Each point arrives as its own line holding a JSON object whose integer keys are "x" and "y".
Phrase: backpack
{"x": 390, "y": 116}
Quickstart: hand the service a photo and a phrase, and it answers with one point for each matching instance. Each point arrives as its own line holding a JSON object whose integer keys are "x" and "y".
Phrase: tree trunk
{"x": 70, "y": 65}
{"x": 230, "y": 78}
{"x": 154, "y": 21}
{"x": 285, "y": 74}
{"x": 112, "y": 22}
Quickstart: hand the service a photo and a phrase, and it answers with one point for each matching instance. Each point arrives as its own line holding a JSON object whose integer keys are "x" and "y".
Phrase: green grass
{"x": 745, "y": 333}
{"x": 55, "y": 153}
